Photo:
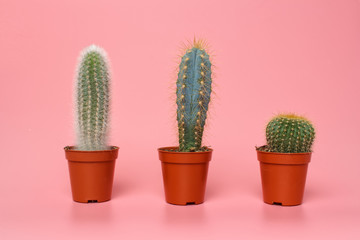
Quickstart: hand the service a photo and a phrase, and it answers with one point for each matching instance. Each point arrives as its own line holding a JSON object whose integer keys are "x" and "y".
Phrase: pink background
{"x": 270, "y": 56}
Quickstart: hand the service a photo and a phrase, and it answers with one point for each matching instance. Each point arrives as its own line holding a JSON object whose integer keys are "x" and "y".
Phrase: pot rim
{"x": 71, "y": 149}
{"x": 162, "y": 150}
{"x": 284, "y": 158}
{"x": 184, "y": 157}
{"x": 79, "y": 156}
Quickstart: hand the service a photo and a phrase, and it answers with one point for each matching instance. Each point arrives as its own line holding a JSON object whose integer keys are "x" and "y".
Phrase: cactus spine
{"x": 92, "y": 99}
{"x": 289, "y": 133}
{"x": 193, "y": 96}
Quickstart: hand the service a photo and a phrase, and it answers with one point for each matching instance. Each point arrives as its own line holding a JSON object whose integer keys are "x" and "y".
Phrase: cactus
{"x": 193, "y": 96}
{"x": 289, "y": 133}
{"x": 92, "y": 99}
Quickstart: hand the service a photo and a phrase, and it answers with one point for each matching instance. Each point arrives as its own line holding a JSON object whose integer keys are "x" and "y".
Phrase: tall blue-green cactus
{"x": 193, "y": 97}
{"x": 92, "y": 99}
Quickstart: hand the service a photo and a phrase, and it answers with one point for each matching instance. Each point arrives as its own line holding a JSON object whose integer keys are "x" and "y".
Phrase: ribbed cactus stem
{"x": 193, "y": 97}
{"x": 92, "y": 99}
{"x": 289, "y": 133}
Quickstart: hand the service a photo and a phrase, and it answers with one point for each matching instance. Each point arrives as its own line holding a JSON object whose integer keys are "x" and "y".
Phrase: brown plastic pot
{"x": 283, "y": 177}
{"x": 184, "y": 175}
{"x": 91, "y": 174}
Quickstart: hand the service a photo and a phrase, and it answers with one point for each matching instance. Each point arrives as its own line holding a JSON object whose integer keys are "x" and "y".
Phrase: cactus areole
{"x": 193, "y": 92}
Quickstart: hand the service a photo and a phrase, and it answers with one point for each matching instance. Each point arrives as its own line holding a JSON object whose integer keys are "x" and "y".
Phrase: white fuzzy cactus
{"x": 92, "y": 99}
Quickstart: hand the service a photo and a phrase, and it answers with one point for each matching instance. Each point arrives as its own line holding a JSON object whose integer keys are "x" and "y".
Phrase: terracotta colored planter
{"x": 283, "y": 177}
{"x": 184, "y": 175}
{"x": 91, "y": 174}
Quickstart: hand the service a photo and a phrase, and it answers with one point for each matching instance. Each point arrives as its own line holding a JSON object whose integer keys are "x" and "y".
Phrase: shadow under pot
{"x": 184, "y": 175}
{"x": 283, "y": 177}
{"x": 91, "y": 174}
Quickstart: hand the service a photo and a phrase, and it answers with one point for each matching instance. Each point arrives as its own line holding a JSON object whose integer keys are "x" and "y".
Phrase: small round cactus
{"x": 193, "y": 97}
{"x": 289, "y": 133}
{"x": 92, "y": 99}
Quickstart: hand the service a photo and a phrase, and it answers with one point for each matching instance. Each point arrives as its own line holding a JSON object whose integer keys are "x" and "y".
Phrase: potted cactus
{"x": 91, "y": 161}
{"x": 185, "y": 166}
{"x": 284, "y": 160}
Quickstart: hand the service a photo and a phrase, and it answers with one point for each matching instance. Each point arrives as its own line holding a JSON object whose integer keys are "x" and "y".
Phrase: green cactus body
{"x": 193, "y": 97}
{"x": 289, "y": 134}
{"x": 92, "y": 100}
